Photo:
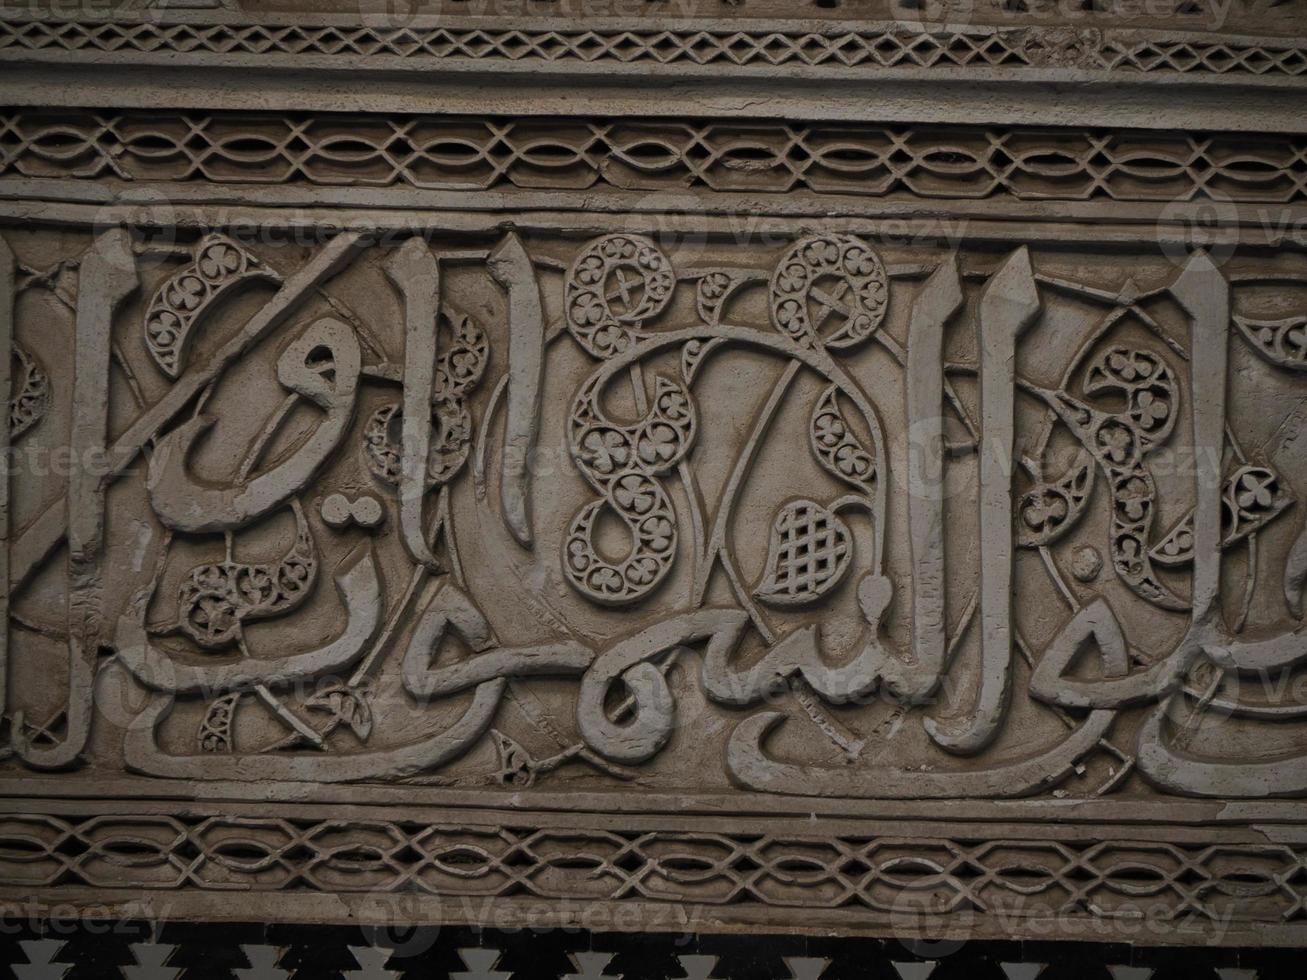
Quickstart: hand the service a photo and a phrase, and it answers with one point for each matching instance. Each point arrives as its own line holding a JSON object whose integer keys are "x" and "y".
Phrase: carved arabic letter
{"x": 415, "y": 273}
{"x": 1262, "y": 656}
{"x": 108, "y": 277}
{"x": 771, "y": 675}
{"x": 39, "y": 540}
{"x": 641, "y": 738}
{"x": 1175, "y": 770}
{"x": 143, "y": 755}
{"x": 359, "y": 586}
{"x": 939, "y": 302}
{"x": 1009, "y": 306}
{"x": 7, "y": 294}
{"x": 323, "y": 366}
{"x": 749, "y": 766}
{"x": 1051, "y": 684}
{"x": 795, "y": 655}
{"x": 1204, "y": 294}
{"x": 511, "y": 267}
{"x": 188, "y": 297}
{"x": 563, "y": 659}
{"x": 454, "y": 609}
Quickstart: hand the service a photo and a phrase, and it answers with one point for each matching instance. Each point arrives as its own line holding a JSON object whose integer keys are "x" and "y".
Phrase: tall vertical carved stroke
{"x": 7, "y": 298}
{"x": 38, "y": 541}
{"x": 1205, "y": 296}
{"x": 108, "y": 276}
{"x": 415, "y": 273}
{"x": 939, "y": 302}
{"x": 510, "y": 266}
{"x": 1009, "y": 306}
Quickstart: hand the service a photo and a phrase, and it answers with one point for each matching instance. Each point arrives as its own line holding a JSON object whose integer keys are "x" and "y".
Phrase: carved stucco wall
{"x": 769, "y": 475}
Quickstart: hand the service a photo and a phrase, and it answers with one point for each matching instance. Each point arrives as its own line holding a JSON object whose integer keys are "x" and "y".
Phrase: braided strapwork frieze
{"x": 488, "y": 152}
{"x": 881, "y": 874}
{"x": 869, "y": 47}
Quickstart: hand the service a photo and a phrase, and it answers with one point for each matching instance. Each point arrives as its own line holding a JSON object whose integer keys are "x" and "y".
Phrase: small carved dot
{"x": 1087, "y": 564}
{"x": 338, "y": 511}
{"x": 368, "y": 512}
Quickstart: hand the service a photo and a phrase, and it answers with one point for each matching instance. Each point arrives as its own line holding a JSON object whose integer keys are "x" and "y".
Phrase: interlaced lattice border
{"x": 479, "y": 153}
{"x": 1078, "y": 877}
{"x": 868, "y": 47}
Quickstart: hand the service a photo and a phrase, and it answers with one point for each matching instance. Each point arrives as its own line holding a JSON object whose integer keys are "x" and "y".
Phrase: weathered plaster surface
{"x": 832, "y": 474}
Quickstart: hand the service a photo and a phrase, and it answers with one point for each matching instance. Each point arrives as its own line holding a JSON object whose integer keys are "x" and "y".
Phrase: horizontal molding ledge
{"x": 989, "y": 97}
{"x": 794, "y": 69}
{"x": 385, "y": 909}
{"x": 1279, "y": 230}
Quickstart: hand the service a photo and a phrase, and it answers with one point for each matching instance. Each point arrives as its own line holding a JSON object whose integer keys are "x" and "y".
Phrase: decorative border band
{"x": 873, "y": 46}
{"x": 1077, "y": 880}
{"x": 119, "y": 950}
{"x": 482, "y": 153}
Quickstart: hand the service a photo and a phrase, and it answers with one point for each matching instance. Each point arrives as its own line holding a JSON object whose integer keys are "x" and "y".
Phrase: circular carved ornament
{"x": 615, "y": 285}
{"x": 829, "y": 278}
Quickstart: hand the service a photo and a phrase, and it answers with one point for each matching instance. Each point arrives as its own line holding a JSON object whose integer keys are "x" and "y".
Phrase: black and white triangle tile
{"x": 217, "y": 952}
